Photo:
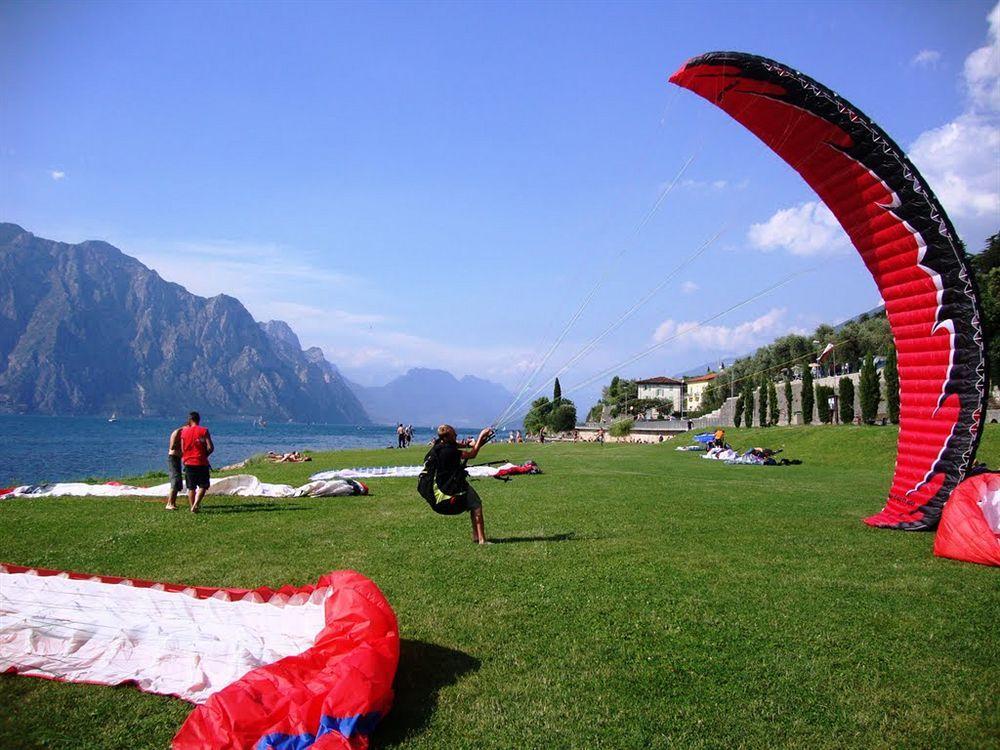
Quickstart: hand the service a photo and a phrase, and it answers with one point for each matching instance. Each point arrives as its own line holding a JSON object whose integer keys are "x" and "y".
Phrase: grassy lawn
{"x": 641, "y": 597}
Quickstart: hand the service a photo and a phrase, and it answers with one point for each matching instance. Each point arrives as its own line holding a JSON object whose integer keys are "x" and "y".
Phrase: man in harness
{"x": 444, "y": 482}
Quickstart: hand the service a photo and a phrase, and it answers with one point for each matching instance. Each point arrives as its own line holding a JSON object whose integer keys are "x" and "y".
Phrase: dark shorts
{"x": 174, "y": 470}
{"x": 453, "y": 505}
{"x": 196, "y": 476}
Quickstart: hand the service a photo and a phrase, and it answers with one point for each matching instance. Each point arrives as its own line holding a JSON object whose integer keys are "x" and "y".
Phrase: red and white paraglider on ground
{"x": 285, "y": 669}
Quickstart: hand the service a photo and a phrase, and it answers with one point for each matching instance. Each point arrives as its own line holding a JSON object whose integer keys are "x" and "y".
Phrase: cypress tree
{"x": 772, "y": 402}
{"x": 738, "y": 413}
{"x": 892, "y": 386}
{"x": 556, "y": 393}
{"x": 788, "y": 397}
{"x": 807, "y": 396}
{"x": 823, "y": 393}
{"x": 748, "y": 405}
{"x": 762, "y": 404}
{"x": 846, "y": 388}
{"x": 869, "y": 391}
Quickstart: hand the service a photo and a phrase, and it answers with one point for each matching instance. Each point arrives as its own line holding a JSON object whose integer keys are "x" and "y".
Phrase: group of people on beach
{"x": 404, "y": 435}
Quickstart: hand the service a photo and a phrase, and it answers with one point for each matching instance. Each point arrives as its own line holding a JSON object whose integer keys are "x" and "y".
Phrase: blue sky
{"x": 439, "y": 184}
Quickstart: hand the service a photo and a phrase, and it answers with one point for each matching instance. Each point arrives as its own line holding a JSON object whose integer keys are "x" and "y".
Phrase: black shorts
{"x": 174, "y": 470}
{"x": 455, "y": 504}
{"x": 196, "y": 476}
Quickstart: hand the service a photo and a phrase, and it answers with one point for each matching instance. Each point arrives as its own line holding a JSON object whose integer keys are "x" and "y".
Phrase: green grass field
{"x": 637, "y": 597}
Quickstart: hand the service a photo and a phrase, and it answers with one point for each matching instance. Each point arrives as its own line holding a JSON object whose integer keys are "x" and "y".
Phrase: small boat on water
{"x": 113, "y": 417}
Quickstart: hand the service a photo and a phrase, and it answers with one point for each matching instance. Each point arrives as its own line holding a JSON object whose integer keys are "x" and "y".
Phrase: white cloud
{"x": 960, "y": 162}
{"x": 961, "y": 159}
{"x": 746, "y": 335}
{"x": 806, "y": 229}
{"x": 253, "y": 272}
{"x": 711, "y": 186}
{"x": 926, "y": 58}
{"x": 689, "y": 287}
{"x": 57, "y": 175}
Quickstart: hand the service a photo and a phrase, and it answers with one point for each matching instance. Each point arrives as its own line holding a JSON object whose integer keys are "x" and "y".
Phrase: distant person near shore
{"x": 400, "y": 436}
{"x": 408, "y": 434}
{"x": 196, "y": 447}
{"x": 174, "y": 468}
{"x": 444, "y": 482}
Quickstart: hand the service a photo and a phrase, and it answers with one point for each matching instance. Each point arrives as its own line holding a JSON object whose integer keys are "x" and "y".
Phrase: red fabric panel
{"x": 963, "y": 533}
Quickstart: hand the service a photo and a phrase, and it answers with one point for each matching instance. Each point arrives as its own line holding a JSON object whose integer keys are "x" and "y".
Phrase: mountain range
{"x": 87, "y": 329}
{"x": 430, "y": 397}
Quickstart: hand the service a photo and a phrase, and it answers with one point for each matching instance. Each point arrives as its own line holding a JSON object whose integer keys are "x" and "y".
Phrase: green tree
{"x": 807, "y": 395}
{"x": 738, "y": 412}
{"x": 622, "y": 427}
{"x": 868, "y": 388}
{"x": 762, "y": 404}
{"x": 846, "y": 394}
{"x": 891, "y": 372}
{"x": 986, "y": 268}
{"x": 788, "y": 397}
{"x": 538, "y": 415}
{"x": 562, "y": 418}
{"x": 823, "y": 393}
{"x": 594, "y": 415}
{"x": 748, "y": 405}
{"x": 556, "y": 394}
{"x": 774, "y": 411}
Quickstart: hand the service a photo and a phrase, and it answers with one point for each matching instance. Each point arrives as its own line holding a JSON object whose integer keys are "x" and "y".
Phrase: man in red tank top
{"x": 196, "y": 447}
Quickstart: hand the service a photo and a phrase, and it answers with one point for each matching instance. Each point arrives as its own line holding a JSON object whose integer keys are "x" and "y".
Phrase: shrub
{"x": 823, "y": 393}
{"x": 892, "y": 386}
{"x": 846, "y": 394}
{"x": 622, "y": 427}
{"x": 788, "y": 397}
{"x": 807, "y": 395}
{"x": 869, "y": 391}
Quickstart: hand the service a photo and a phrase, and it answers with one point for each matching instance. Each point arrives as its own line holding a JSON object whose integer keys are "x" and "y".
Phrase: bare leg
{"x": 478, "y": 526}
{"x": 172, "y": 500}
{"x": 196, "y": 505}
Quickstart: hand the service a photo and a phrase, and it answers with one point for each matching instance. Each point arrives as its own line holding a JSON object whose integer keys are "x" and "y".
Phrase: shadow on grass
{"x": 252, "y": 508}
{"x": 568, "y": 537}
{"x": 424, "y": 669}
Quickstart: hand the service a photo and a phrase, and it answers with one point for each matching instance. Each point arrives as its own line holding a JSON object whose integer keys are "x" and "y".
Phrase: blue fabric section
{"x": 363, "y": 724}
{"x": 705, "y": 437}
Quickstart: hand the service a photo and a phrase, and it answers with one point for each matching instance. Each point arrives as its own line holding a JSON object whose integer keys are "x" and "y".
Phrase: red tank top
{"x": 194, "y": 447}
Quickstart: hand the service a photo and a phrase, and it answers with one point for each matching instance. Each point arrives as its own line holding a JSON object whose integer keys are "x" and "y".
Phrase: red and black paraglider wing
{"x": 908, "y": 244}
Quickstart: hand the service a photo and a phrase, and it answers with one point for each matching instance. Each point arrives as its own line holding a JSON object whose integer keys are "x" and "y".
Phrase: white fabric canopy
{"x": 373, "y": 472}
{"x": 168, "y": 642}
{"x": 242, "y": 485}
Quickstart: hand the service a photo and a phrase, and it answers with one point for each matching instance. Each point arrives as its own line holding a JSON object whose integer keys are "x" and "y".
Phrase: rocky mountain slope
{"x": 86, "y": 329}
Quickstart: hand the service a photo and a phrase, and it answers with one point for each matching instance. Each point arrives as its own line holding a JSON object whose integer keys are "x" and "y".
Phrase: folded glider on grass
{"x": 288, "y": 669}
{"x": 909, "y": 245}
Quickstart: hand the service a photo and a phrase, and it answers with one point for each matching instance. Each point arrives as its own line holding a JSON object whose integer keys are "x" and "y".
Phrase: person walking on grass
{"x": 444, "y": 482}
{"x": 174, "y": 468}
{"x": 196, "y": 447}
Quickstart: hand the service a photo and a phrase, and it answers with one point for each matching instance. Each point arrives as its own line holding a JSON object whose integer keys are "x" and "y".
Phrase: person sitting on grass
{"x": 196, "y": 447}
{"x": 444, "y": 482}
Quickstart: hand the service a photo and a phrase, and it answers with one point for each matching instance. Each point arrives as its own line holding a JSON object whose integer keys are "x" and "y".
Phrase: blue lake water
{"x": 36, "y": 449}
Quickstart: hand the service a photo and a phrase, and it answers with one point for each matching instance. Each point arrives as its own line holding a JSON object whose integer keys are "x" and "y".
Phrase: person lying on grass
{"x": 444, "y": 482}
